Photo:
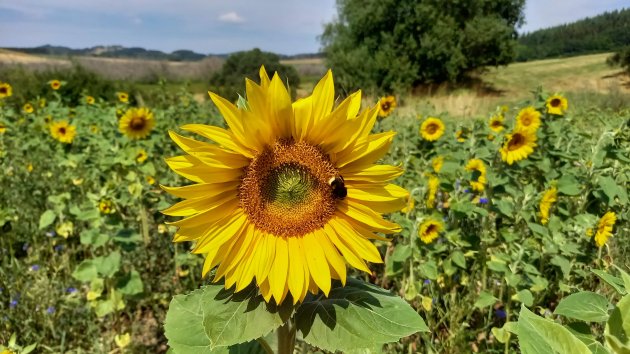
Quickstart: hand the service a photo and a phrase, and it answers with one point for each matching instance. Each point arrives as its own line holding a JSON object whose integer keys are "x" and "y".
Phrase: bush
{"x": 229, "y": 81}
{"x": 621, "y": 58}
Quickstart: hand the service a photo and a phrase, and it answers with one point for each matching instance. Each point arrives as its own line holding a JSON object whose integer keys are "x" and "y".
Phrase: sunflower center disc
{"x": 285, "y": 189}
{"x": 3, "y": 90}
{"x": 137, "y": 123}
{"x": 516, "y": 142}
{"x": 555, "y": 102}
{"x": 432, "y": 128}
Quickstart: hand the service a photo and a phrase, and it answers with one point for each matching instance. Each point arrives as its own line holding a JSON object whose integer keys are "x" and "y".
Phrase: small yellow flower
{"x": 432, "y": 129}
{"x": 7, "y": 351}
{"x": 94, "y": 129}
{"x": 122, "y": 340}
{"x": 29, "y": 167}
{"x": 65, "y": 229}
{"x": 89, "y": 100}
{"x": 150, "y": 180}
{"x": 461, "y": 135}
{"x": 55, "y": 84}
{"x": 409, "y": 206}
{"x": 106, "y": 206}
{"x": 42, "y": 102}
{"x": 92, "y": 295}
{"x": 528, "y": 119}
{"x": 427, "y": 303}
{"x": 437, "y": 163}
{"x": 504, "y": 109}
{"x": 123, "y": 97}
{"x": 433, "y": 185}
{"x": 589, "y": 232}
{"x": 183, "y": 272}
{"x": 490, "y": 137}
{"x": 496, "y": 123}
{"x": 478, "y": 179}
{"x": 137, "y": 123}
{"x": 557, "y": 104}
{"x": 162, "y": 228}
{"x": 549, "y": 197}
{"x": 141, "y": 156}
{"x": 63, "y": 131}
{"x": 430, "y": 230}
{"x": 5, "y": 90}
{"x": 3, "y": 128}
{"x": 604, "y": 228}
{"x": 28, "y": 108}
{"x": 386, "y": 106}
{"x": 77, "y": 181}
{"x": 48, "y": 119}
{"x": 518, "y": 145}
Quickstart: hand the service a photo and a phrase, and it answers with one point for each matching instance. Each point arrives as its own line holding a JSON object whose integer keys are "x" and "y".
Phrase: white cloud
{"x": 231, "y": 17}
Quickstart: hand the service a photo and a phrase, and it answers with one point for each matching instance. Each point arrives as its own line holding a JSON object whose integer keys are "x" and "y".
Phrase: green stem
{"x": 286, "y": 338}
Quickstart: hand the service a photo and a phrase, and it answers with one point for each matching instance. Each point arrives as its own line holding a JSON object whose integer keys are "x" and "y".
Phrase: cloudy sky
{"x": 211, "y": 26}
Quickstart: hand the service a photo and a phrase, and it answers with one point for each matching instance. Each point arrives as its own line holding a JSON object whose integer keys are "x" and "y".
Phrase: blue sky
{"x": 211, "y": 26}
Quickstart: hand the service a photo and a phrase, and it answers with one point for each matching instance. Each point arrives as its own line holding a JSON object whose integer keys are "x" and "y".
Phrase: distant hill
{"x": 603, "y": 33}
{"x": 114, "y": 51}
{"x": 117, "y": 51}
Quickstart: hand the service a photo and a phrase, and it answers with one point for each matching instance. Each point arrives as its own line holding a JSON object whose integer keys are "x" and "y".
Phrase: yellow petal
{"x": 360, "y": 245}
{"x": 317, "y": 264}
{"x": 197, "y": 205}
{"x": 297, "y": 281}
{"x": 370, "y": 174}
{"x": 349, "y": 254}
{"x": 367, "y": 150}
{"x": 367, "y": 217}
{"x": 202, "y": 189}
{"x": 323, "y": 97}
{"x": 280, "y": 269}
{"x": 337, "y": 264}
{"x": 221, "y": 136}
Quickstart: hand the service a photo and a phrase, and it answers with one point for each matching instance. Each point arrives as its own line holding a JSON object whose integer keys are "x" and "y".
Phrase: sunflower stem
{"x": 286, "y": 338}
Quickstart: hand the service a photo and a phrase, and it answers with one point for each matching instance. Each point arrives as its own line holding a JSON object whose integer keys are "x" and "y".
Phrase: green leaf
{"x": 429, "y": 270}
{"x": 567, "y": 184}
{"x": 611, "y": 280}
{"x": 86, "y": 271}
{"x": 213, "y": 318}
{"x": 107, "y": 266}
{"x": 359, "y": 315}
{"x": 625, "y": 277}
{"x": 130, "y": 284}
{"x": 459, "y": 259}
{"x": 609, "y": 187}
{"x": 563, "y": 263}
{"x": 584, "y": 306}
{"x": 401, "y": 253}
{"x": 538, "y": 229}
{"x": 485, "y": 299}
{"x": 617, "y": 330}
{"x": 46, "y": 219}
{"x": 537, "y": 335}
{"x": 525, "y": 296}
{"x": 582, "y": 331}
{"x": 93, "y": 237}
{"x": 503, "y": 334}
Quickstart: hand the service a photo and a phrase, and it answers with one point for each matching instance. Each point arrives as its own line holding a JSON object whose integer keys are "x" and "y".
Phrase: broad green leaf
{"x": 93, "y": 237}
{"x": 359, "y": 315}
{"x": 503, "y": 334}
{"x": 611, "y": 280}
{"x": 625, "y": 277}
{"x": 212, "y": 318}
{"x": 485, "y": 299}
{"x": 567, "y": 184}
{"x": 429, "y": 270}
{"x": 582, "y": 331}
{"x": 525, "y": 296}
{"x": 107, "y": 266}
{"x": 537, "y": 335}
{"x": 401, "y": 253}
{"x": 86, "y": 271}
{"x": 584, "y": 306}
{"x": 563, "y": 263}
{"x": 459, "y": 259}
{"x": 130, "y": 284}
{"x": 617, "y": 330}
{"x": 28, "y": 348}
{"x": 538, "y": 229}
{"x": 46, "y": 219}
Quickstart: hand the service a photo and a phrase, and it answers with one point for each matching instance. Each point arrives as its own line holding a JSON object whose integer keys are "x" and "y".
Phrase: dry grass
{"x": 119, "y": 69}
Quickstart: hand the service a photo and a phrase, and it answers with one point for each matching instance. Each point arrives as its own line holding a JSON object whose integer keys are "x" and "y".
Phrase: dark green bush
{"x": 621, "y": 58}
{"x": 229, "y": 83}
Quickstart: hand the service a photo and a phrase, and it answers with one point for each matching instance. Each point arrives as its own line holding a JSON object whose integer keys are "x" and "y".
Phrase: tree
{"x": 229, "y": 81}
{"x": 621, "y": 58}
{"x": 392, "y": 45}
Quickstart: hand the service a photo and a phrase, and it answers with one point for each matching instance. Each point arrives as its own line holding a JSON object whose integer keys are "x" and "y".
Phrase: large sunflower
{"x": 432, "y": 129}
{"x": 528, "y": 118}
{"x": 549, "y": 197}
{"x": 478, "y": 179}
{"x": 518, "y": 145}
{"x": 289, "y": 193}
{"x": 496, "y": 123}
{"x": 136, "y": 123}
{"x": 63, "y": 131}
{"x": 387, "y": 106}
{"x": 557, "y": 104}
{"x": 5, "y": 90}
{"x": 430, "y": 230}
{"x": 604, "y": 228}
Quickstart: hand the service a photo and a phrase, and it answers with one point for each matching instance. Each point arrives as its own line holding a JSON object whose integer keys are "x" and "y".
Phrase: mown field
{"x": 512, "y": 212}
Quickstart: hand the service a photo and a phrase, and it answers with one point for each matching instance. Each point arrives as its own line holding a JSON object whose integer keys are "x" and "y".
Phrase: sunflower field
{"x": 327, "y": 224}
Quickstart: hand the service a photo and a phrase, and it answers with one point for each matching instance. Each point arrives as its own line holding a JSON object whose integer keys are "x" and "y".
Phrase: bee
{"x": 339, "y": 189}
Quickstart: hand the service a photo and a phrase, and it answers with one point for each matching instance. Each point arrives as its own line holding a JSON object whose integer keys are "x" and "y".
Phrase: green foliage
{"x": 599, "y": 34}
{"x": 391, "y": 45}
{"x": 229, "y": 82}
{"x": 621, "y": 58}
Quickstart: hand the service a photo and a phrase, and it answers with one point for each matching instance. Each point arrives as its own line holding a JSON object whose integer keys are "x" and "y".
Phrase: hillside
{"x": 603, "y": 33}
{"x": 114, "y": 51}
